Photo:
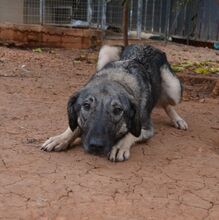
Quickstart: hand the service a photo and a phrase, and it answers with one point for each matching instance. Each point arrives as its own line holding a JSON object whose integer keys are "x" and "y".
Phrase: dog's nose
{"x": 96, "y": 146}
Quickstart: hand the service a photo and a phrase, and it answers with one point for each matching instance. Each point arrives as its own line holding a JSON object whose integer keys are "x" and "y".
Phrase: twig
{"x": 9, "y": 76}
{"x": 216, "y": 128}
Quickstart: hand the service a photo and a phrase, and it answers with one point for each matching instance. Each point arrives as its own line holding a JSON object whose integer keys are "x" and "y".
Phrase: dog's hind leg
{"x": 178, "y": 122}
{"x": 171, "y": 93}
{"x": 62, "y": 141}
{"x": 121, "y": 151}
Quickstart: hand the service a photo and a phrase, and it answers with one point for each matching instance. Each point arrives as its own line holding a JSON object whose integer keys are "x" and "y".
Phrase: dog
{"x": 113, "y": 110}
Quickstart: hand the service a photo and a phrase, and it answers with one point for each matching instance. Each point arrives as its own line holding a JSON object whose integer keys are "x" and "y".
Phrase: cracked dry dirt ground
{"x": 173, "y": 176}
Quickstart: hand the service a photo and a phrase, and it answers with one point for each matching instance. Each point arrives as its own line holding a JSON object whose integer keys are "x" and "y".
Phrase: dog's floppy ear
{"x": 134, "y": 124}
{"x": 72, "y": 114}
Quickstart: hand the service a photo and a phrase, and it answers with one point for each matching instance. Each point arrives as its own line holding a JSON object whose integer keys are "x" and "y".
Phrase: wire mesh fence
{"x": 114, "y": 13}
{"x": 56, "y": 12}
{"x": 64, "y": 12}
{"x": 32, "y": 13}
{"x": 198, "y": 19}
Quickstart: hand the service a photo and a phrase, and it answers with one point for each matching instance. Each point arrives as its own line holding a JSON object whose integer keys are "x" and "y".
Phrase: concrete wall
{"x": 11, "y": 11}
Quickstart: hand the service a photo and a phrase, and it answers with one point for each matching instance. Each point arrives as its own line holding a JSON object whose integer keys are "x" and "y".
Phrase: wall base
{"x": 49, "y": 36}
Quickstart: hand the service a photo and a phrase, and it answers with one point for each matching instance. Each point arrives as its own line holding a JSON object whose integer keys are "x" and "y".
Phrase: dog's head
{"x": 104, "y": 114}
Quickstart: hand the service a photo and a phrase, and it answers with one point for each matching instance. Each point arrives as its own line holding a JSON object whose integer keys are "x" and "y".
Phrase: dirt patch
{"x": 173, "y": 176}
{"x": 198, "y": 86}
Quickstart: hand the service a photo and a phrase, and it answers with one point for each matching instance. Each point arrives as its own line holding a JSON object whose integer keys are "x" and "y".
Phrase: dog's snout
{"x": 96, "y": 146}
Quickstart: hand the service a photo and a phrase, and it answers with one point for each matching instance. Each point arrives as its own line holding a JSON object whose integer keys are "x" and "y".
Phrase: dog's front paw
{"x": 56, "y": 143}
{"x": 181, "y": 124}
{"x": 119, "y": 154}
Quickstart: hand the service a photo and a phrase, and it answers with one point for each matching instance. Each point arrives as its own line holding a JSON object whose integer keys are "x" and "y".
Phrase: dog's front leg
{"x": 121, "y": 151}
{"x": 62, "y": 141}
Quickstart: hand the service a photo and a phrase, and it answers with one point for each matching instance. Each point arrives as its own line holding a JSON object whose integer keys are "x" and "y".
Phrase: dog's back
{"x": 148, "y": 63}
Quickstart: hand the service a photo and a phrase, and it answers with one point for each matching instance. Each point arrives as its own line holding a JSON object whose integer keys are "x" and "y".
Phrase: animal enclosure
{"x": 195, "y": 20}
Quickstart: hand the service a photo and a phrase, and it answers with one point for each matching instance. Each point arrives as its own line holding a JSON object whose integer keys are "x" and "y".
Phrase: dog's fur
{"x": 112, "y": 111}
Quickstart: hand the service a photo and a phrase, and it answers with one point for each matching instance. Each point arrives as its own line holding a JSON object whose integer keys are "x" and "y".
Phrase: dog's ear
{"x": 134, "y": 124}
{"x": 72, "y": 114}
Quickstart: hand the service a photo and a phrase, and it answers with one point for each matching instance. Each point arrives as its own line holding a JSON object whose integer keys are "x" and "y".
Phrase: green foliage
{"x": 177, "y": 68}
{"x": 204, "y": 67}
{"x": 206, "y": 70}
{"x": 37, "y": 50}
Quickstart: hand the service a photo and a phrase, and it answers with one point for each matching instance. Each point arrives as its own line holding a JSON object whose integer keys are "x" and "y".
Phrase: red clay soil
{"x": 174, "y": 176}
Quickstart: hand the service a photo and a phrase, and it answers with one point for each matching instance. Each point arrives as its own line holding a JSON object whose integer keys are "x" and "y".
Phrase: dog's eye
{"x": 86, "y": 106}
{"x": 117, "y": 111}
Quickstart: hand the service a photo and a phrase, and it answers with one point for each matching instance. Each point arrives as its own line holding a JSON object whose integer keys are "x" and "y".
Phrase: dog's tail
{"x": 108, "y": 54}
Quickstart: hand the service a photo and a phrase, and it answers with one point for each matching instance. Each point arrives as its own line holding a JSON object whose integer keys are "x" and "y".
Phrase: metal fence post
{"x": 41, "y": 11}
{"x": 103, "y": 15}
{"x": 89, "y": 11}
{"x": 130, "y": 15}
{"x": 99, "y": 13}
{"x": 153, "y": 13}
{"x": 167, "y": 23}
{"x": 145, "y": 15}
{"x": 139, "y": 19}
{"x": 160, "y": 20}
